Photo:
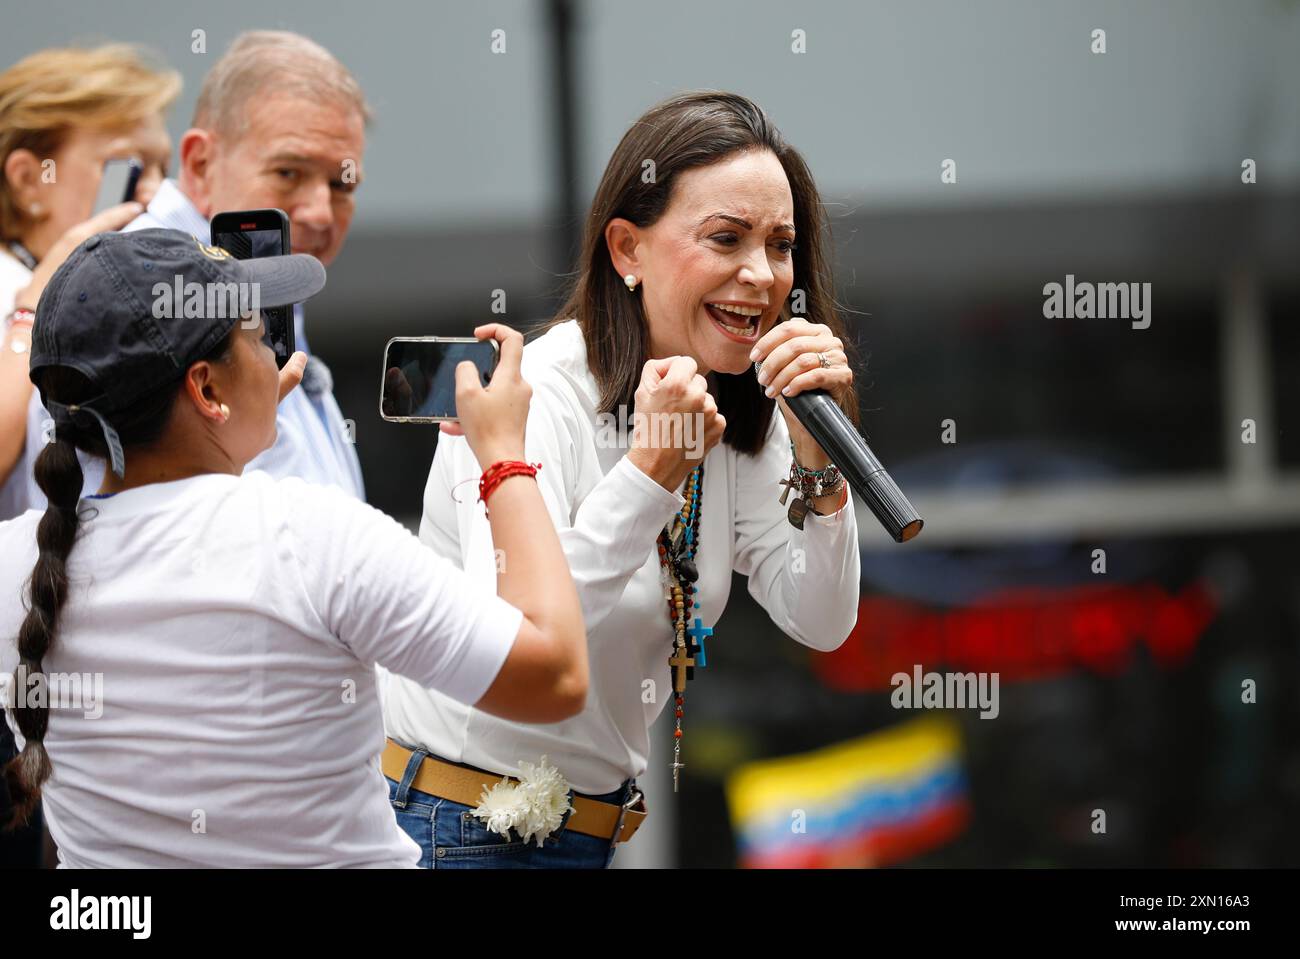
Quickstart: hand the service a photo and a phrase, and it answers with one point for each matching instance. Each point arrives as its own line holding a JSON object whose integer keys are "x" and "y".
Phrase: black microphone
{"x": 823, "y": 418}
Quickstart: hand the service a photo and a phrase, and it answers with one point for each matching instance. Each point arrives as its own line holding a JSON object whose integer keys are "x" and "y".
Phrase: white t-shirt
{"x": 609, "y": 515}
{"x": 236, "y": 622}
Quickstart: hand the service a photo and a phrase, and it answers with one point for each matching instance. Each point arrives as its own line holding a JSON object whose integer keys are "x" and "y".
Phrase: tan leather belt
{"x": 591, "y": 817}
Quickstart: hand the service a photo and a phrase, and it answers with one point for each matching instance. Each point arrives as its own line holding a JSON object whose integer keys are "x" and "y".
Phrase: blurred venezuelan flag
{"x": 873, "y": 801}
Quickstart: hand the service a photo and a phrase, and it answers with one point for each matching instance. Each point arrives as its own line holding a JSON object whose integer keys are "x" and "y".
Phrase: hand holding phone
{"x": 493, "y": 419}
{"x": 471, "y": 386}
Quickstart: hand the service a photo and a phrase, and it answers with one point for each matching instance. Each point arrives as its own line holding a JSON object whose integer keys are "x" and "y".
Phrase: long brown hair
{"x": 687, "y": 131}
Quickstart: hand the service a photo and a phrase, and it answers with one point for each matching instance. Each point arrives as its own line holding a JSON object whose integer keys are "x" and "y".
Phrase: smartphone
{"x": 248, "y": 235}
{"x": 118, "y": 183}
{"x": 419, "y": 381}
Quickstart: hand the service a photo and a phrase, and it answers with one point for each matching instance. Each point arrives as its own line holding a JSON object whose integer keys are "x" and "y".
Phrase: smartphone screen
{"x": 250, "y": 244}
{"x": 248, "y": 240}
{"x": 420, "y": 375}
{"x": 117, "y": 184}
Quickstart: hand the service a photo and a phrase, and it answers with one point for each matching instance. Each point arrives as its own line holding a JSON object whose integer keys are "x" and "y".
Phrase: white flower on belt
{"x": 534, "y": 807}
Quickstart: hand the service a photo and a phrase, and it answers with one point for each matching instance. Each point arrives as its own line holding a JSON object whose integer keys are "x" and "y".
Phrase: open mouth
{"x": 738, "y": 322}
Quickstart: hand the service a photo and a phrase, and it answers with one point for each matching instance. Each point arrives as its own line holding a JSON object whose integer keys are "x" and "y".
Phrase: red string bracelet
{"x": 494, "y": 474}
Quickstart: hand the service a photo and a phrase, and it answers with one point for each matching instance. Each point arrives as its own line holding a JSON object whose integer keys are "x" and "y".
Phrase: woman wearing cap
{"x": 685, "y": 280}
{"x": 63, "y": 114}
{"x": 224, "y": 628}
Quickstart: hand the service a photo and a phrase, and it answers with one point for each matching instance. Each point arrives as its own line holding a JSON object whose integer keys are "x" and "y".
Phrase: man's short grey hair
{"x": 263, "y": 63}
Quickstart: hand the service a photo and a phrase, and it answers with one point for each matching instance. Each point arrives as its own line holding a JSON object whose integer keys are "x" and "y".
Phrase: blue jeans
{"x": 449, "y": 837}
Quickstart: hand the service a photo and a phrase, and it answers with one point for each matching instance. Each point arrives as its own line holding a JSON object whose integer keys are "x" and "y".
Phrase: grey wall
{"x": 884, "y": 93}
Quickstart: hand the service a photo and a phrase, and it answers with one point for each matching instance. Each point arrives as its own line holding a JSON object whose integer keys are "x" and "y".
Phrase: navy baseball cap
{"x": 132, "y": 311}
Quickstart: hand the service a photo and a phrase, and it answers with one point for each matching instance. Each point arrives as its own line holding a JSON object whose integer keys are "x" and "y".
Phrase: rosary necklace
{"x": 678, "y": 545}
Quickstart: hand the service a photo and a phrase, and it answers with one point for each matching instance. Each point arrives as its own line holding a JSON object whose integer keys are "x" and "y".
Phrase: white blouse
{"x": 15, "y": 490}
{"x": 609, "y": 515}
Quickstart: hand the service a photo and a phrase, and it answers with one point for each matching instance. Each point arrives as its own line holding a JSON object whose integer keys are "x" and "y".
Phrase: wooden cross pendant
{"x": 680, "y": 662}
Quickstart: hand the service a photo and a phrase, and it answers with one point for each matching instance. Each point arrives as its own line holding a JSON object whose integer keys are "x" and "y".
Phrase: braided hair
{"x": 59, "y": 474}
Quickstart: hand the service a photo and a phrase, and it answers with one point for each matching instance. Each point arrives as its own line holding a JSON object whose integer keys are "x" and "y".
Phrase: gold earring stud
{"x": 225, "y": 412}
{"x": 631, "y": 282}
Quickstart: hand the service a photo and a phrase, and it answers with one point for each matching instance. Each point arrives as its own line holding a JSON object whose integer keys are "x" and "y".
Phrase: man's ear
{"x": 22, "y": 173}
{"x": 623, "y": 238}
{"x": 203, "y": 391}
{"x": 197, "y": 149}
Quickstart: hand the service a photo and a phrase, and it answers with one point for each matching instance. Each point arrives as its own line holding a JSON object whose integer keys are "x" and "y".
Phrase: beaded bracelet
{"x": 494, "y": 474}
{"x": 20, "y": 316}
{"x": 21, "y": 319}
{"x": 812, "y": 484}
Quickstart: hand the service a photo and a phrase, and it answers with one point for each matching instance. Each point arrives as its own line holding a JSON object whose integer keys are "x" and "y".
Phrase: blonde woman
{"x": 63, "y": 113}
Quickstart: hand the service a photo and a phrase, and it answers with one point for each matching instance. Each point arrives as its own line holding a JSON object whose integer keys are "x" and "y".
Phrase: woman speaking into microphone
{"x": 223, "y": 628}
{"x": 704, "y": 223}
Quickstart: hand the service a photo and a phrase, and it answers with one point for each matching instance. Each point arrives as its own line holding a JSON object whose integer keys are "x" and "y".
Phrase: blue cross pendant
{"x": 697, "y": 633}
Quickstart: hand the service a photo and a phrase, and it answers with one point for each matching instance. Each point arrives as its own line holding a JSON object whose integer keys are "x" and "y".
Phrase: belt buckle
{"x": 635, "y": 799}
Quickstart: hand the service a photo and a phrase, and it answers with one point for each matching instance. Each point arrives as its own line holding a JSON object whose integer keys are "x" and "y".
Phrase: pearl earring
{"x": 225, "y": 412}
{"x": 631, "y": 281}
{"x": 36, "y": 209}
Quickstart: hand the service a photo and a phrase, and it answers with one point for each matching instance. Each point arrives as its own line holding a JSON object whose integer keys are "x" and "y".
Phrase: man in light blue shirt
{"x": 279, "y": 123}
{"x": 313, "y": 440}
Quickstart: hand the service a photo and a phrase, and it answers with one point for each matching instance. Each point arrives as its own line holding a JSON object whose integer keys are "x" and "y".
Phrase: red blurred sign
{"x": 1021, "y": 634}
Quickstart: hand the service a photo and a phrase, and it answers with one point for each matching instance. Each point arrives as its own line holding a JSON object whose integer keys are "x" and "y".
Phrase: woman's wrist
{"x": 667, "y": 471}
{"x": 27, "y": 298}
{"x": 810, "y": 455}
{"x": 498, "y": 473}
{"x": 823, "y": 488}
{"x": 499, "y": 453}
{"x": 20, "y": 316}
{"x": 17, "y": 331}
{"x": 831, "y": 503}
{"x": 807, "y": 451}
